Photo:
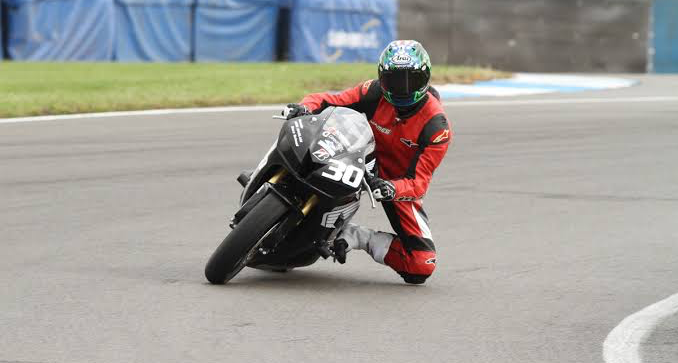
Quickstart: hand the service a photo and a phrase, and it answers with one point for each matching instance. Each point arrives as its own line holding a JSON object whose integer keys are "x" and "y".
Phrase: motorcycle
{"x": 293, "y": 205}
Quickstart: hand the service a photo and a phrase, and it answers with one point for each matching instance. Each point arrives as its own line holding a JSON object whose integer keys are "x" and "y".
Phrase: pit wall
{"x": 547, "y": 35}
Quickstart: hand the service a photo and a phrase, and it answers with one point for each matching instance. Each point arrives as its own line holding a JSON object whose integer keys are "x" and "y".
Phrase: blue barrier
{"x": 235, "y": 30}
{"x": 153, "y": 30}
{"x": 665, "y": 41}
{"x": 59, "y": 30}
{"x": 2, "y": 44}
{"x": 341, "y": 30}
{"x": 202, "y": 30}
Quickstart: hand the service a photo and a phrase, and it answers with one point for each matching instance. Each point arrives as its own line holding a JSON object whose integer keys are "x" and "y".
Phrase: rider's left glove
{"x": 382, "y": 190}
{"x": 295, "y": 110}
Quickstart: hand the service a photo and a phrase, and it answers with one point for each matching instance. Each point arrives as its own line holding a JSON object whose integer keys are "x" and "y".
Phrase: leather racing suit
{"x": 410, "y": 144}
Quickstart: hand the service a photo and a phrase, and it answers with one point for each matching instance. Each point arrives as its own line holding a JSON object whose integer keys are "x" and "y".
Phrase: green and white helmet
{"x": 404, "y": 72}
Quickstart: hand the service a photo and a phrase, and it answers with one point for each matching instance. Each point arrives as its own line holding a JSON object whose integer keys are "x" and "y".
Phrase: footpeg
{"x": 323, "y": 250}
{"x": 244, "y": 178}
{"x": 339, "y": 247}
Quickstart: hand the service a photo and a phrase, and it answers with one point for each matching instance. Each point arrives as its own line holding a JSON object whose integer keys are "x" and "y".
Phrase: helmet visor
{"x": 403, "y": 82}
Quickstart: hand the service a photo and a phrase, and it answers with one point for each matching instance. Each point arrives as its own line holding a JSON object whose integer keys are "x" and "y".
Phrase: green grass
{"x": 60, "y": 88}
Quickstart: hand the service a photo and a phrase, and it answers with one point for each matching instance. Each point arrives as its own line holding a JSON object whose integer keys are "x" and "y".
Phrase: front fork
{"x": 299, "y": 213}
{"x": 322, "y": 246}
{"x": 307, "y": 206}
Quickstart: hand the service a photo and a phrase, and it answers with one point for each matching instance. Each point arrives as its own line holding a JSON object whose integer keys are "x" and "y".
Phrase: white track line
{"x": 561, "y": 101}
{"x": 623, "y": 344}
{"x": 558, "y": 101}
{"x": 593, "y": 82}
{"x": 172, "y": 111}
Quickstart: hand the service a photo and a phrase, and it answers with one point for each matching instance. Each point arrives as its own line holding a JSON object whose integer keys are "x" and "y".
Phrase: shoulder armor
{"x": 436, "y": 131}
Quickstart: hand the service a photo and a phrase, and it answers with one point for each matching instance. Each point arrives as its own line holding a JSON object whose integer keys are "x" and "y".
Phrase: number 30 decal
{"x": 349, "y": 175}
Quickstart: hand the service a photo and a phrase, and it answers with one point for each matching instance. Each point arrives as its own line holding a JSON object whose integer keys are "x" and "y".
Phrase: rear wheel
{"x": 241, "y": 244}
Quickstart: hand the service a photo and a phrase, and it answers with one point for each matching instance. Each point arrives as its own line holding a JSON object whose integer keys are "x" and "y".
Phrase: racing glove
{"x": 295, "y": 110}
{"x": 382, "y": 190}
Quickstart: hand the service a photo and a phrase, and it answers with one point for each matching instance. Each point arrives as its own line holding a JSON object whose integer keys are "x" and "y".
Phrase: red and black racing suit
{"x": 410, "y": 144}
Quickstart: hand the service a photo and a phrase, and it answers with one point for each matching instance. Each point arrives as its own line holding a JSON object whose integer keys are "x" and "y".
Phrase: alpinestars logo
{"x": 442, "y": 137}
{"x": 431, "y": 261}
{"x": 381, "y": 129}
{"x": 409, "y": 143}
{"x": 366, "y": 86}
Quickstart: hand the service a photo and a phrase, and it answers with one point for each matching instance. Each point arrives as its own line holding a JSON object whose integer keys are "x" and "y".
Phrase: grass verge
{"x": 28, "y": 89}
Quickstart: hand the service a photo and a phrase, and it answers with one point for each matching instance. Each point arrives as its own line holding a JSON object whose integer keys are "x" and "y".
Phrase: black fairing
{"x": 324, "y": 155}
{"x": 301, "y": 143}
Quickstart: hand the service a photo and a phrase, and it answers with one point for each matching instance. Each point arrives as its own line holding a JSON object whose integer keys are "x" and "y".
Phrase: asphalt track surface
{"x": 553, "y": 223}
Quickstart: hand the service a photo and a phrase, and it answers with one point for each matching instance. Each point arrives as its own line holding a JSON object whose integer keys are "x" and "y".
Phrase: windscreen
{"x": 347, "y": 127}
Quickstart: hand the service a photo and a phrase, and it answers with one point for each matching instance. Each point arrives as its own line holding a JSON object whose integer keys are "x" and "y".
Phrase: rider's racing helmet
{"x": 404, "y": 72}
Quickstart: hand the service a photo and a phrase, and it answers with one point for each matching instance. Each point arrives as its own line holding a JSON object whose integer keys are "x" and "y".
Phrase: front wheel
{"x": 233, "y": 253}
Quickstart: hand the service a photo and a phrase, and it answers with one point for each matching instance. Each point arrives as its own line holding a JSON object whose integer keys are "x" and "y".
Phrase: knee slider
{"x": 414, "y": 279}
{"x": 413, "y": 265}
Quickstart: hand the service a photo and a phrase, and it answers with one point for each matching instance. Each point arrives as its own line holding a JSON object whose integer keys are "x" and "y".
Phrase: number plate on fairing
{"x": 350, "y": 175}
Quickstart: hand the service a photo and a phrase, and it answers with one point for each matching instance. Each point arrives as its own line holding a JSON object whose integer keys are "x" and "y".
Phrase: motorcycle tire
{"x": 231, "y": 255}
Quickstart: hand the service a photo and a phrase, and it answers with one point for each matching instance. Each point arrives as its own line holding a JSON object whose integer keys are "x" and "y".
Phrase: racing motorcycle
{"x": 300, "y": 195}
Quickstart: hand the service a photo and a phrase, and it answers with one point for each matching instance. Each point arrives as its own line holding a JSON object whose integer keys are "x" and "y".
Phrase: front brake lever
{"x": 278, "y": 117}
{"x": 369, "y": 191}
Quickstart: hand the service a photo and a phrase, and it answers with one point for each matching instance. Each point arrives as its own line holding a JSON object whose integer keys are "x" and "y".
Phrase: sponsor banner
{"x": 341, "y": 30}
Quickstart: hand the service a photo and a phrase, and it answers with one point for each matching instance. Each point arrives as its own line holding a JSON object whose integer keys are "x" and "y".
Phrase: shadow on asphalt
{"x": 307, "y": 280}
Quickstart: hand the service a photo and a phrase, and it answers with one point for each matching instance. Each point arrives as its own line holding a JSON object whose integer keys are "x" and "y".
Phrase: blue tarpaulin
{"x": 59, "y": 30}
{"x": 2, "y": 46}
{"x": 235, "y": 30}
{"x": 153, "y": 30}
{"x": 665, "y": 42}
{"x": 341, "y": 30}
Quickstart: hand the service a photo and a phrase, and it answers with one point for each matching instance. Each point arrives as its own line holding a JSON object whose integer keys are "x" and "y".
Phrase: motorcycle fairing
{"x": 325, "y": 155}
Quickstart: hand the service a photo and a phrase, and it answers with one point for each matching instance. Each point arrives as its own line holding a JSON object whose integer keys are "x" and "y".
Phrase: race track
{"x": 553, "y": 221}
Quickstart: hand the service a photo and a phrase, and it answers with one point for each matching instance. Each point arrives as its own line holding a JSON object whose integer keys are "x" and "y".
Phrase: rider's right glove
{"x": 382, "y": 190}
{"x": 295, "y": 110}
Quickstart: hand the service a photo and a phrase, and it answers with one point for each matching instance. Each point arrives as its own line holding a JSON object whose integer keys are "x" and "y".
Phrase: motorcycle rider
{"x": 412, "y": 135}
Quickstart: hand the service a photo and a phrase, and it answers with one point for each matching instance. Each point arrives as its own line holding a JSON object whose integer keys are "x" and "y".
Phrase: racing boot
{"x": 355, "y": 237}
